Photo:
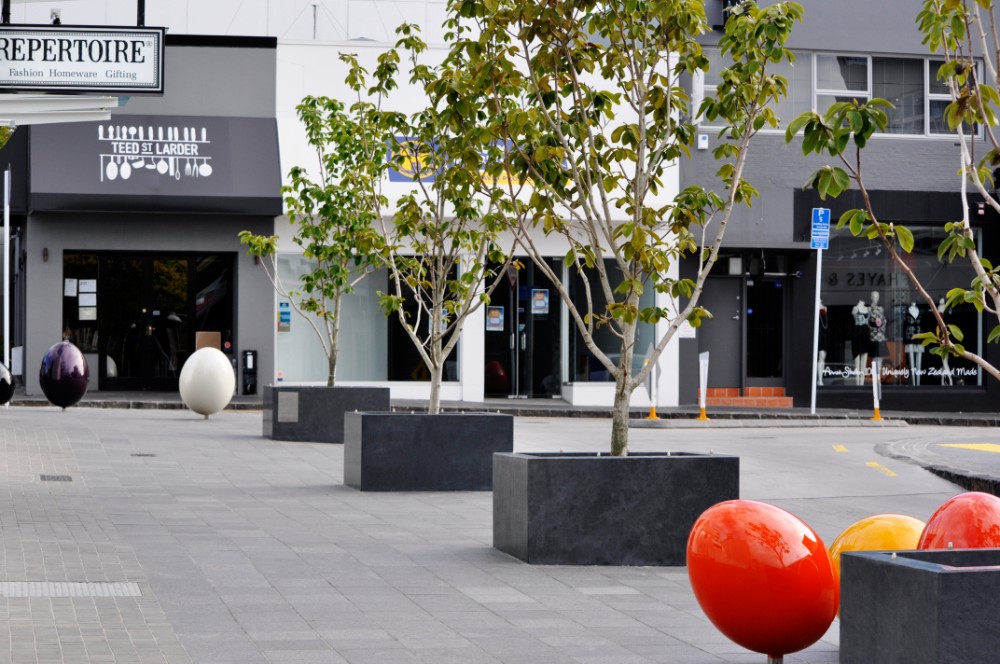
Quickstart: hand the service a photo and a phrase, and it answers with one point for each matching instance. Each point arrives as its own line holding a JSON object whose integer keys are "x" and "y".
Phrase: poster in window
{"x": 88, "y": 299}
{"x": 88, "y": 285}
{"x": 494, "y": 319}
{"x": 88, "y": 313}
{"x": 69, "y": 287}
{"x": 284, "y": 317}
{"x": 539, "y": 301}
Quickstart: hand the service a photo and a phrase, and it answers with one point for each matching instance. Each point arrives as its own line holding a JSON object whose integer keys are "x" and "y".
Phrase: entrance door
{"x": 765, "y": 326}
{"x": 523, "y": 342}
{"x": 745, "y": 339}
{"x": 151, "y": 307}
{"x": 722, "y": 335}
{"x": 147, "y": 325}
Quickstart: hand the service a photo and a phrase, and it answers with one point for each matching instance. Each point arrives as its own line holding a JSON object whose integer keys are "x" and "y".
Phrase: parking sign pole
{"x": 819, "y": 241}
{"x": 815, "y": 344}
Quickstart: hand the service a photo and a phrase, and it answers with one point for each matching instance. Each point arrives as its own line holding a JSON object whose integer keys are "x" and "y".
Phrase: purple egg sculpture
{"x": 6, "y": 385}
{"x": 64, "y": 375}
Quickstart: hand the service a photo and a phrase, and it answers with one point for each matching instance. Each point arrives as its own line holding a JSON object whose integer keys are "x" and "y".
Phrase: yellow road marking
{"x": 877, "y": 466}
{"x": 839, "y": 448}
{"x": 977, "y": 447}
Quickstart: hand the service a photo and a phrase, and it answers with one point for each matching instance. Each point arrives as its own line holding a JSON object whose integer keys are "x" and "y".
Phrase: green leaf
{"x": 955, "y": 332}
{"x": 905, "y": 237}
{"x": 858, "y": 222}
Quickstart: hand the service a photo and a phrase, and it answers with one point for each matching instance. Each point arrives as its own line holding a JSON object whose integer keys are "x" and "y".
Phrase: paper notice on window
{"x": 69, "y": 287}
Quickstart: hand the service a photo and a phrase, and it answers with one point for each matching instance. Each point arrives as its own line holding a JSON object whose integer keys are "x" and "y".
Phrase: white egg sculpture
{"x": 207, "y": 381}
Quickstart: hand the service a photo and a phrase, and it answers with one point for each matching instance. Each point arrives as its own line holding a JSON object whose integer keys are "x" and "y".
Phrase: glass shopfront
{"x": 869, "y": 309}
{"x": 138, "y": 314}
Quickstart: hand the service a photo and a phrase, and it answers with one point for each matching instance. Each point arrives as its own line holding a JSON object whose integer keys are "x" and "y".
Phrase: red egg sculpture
{"x": 967, "y": 521}
{"x": 762, "y": 576}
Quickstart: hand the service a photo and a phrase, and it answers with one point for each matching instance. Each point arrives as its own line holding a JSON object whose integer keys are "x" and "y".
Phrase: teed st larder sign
{"x": 91, "y": 60}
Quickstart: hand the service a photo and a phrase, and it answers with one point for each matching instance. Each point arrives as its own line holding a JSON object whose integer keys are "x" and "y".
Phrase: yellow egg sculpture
{"x": 882, "y": 532}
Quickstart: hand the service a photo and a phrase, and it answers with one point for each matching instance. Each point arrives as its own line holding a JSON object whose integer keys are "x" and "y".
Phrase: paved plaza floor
{"x": 159, "y": 536}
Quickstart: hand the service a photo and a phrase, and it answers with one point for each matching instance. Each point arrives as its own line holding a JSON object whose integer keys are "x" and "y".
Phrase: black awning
{"x": 147, "y": 163}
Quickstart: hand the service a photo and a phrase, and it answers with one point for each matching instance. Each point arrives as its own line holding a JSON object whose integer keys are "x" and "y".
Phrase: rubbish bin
{"x": 249, "y": 372}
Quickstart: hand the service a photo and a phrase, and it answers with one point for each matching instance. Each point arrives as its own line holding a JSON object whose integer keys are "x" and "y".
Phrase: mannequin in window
{"x": 914, "y": 350}
{"x": 824, "y": 340}
{"x": 945, "y": 367}
{"x": 860, "y": 341}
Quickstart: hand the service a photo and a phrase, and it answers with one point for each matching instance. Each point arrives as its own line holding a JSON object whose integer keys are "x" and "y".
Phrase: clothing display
{"x": 911, "y": 328}
{"x": 859, "y": 337}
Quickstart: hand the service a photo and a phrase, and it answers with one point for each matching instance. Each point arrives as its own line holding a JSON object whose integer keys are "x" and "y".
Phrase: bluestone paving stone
{"x": 249, "y": 550}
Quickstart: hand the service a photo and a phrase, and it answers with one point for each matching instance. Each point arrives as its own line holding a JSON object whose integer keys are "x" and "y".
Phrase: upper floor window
{"x": 818, "y": 80}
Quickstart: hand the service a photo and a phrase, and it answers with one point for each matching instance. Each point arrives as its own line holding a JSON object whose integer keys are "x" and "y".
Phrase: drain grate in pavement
{"x": 56, "y": 478}
{"x": 142, "y": 454}
{"x": 68, "y": 589}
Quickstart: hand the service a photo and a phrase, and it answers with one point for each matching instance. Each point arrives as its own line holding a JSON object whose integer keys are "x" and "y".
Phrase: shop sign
{"x": 284, "y": 317}
{"x": 411, "y": 161}
{"x": 93, "y": 60}
{"x": 130, "y": 144}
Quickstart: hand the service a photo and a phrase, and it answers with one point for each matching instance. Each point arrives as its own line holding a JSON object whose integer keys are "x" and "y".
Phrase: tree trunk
{"x": 434, "y": 402}
{"x": 334, "y": 342}
{"x": 619, "y": 416}
{"x": 623, "y": 386}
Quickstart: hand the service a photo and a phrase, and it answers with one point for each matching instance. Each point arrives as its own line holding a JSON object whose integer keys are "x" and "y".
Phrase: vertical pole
{"x": 6, "y": 267}
{"x": 702, "y": 385}
{"x": 140, "y": 20}
{"x": 815, "y": 343}
{"x": 652, "y": 386}
{"x": 5, "y": 14}
{"x": 877, "y": 386}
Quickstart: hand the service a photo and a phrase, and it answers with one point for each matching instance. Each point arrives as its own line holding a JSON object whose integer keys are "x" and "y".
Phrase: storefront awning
{"x": 156, "y": 164}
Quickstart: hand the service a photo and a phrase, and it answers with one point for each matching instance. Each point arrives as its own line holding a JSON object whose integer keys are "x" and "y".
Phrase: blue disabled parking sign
{"x": 820, "y": 238}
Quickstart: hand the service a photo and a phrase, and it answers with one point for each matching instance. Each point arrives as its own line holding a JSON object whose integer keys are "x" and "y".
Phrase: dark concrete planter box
{"x": 584, "y": 509}
{"x": 421, "y": 452}
{"x": 923, "y": 607}
{"x": 316, "y": 413}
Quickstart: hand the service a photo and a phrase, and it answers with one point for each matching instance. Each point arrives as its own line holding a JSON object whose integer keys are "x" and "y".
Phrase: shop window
{"x": 404, "y": 361}
{"x": 80, "y": 300}
{"x": 363, "y": 332}
{"x": 373, "y": 347}
{"x": 871, "y": 310}
{"x": 585, "y": 365}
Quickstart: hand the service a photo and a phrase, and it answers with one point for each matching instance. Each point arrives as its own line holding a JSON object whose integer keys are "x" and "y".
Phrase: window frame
{"x": 816, "y": 92}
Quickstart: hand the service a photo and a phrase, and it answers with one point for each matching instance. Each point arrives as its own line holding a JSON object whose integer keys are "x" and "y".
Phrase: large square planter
{"x": 421, "y": 452}
{"x": 921, "y": 607}
{"x": 585, "y": 509}
{"x": 316, "y": 413}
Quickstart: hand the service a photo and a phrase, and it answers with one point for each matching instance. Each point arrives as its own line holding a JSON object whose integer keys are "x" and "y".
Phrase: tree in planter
{"x": 333, "y": 222}
{"x": 963, "y": 32}
{"x": 441, "y": 240}
{"x": 586, "y": 105}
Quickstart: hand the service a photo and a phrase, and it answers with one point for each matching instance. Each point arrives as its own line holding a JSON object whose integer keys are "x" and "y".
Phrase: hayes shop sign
{"x": 94, "y": 60}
